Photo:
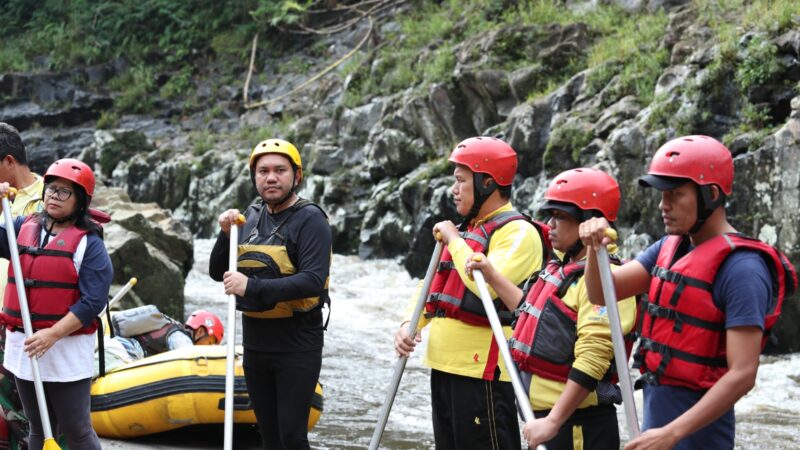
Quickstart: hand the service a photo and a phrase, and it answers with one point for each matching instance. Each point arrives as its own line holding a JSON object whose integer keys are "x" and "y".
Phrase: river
{"x": 369, "y": 298}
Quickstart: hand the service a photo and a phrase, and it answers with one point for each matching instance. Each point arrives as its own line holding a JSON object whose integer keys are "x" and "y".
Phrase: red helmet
{"x": 585, "y": 189}
{"x": 701, "y": 159}
{"x": 209, "y": 320}
{"x": 487, "y": 155}
{"x": 73, "y": 170}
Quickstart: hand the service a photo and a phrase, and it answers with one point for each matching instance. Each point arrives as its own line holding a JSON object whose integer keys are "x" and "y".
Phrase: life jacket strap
{"x": 34, "y": 317}
{"x": 28, "y": 283}
{"x": 39, "y": 251}
{"x": 667, "y": 353}
{"x": 658, "y": 311}
{"x": 681, "y": 280}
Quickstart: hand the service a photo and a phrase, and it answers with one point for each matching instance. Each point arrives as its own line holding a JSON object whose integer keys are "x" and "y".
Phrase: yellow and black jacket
{"x": 286, "y": 257}
{"x": 263, "y": 253}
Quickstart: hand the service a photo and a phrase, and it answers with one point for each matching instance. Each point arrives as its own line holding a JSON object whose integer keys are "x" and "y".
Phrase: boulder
{"x": 146, "y": 242}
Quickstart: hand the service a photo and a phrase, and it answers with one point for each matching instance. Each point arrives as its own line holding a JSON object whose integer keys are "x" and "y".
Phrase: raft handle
{"x": 240, "y": 403}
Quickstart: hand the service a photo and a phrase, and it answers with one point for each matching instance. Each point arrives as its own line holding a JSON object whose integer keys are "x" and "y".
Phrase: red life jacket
{"x": 545, "y": 334}
{"x": 683, "y": 331}
{"x": 449, "y": 297}
{"x": 51, "y": 281}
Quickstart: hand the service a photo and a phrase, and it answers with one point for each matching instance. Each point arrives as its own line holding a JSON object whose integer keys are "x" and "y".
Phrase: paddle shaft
{"x": 617, "y": 337}
{"x": 231, "y": 332}
{"x": 121, "y": 293}
{"x": 502, "y": 343}
{"x": 26, "y": 319}
{"x": 400, "y": 365}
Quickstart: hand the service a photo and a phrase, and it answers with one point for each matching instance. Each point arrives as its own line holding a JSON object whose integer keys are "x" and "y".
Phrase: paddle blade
{"x": 50, "y": 444}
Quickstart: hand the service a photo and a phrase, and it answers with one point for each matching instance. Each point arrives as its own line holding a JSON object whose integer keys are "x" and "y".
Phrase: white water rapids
{"x": 369, "y": 298}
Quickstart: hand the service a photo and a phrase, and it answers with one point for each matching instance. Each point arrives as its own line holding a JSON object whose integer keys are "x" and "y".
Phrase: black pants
{"x": 281, "y": 386}
{"x": 68, "y": 408}
{"x": 469, "y": 413}
{"x": 592, "y": 428}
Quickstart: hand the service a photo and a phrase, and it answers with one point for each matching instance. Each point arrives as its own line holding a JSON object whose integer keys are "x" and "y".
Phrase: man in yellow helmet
{"x": 281, "y": 285}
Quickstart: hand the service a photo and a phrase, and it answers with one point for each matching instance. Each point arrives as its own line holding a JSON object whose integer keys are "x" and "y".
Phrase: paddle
{"x": 620, "y": 355}
{"x": 231, "y": 332}
{"x": 49, "y": 442}
{"x": 497, "y": 329}
{"x": 400, "y": 365}
{"x": 118, "y": 296}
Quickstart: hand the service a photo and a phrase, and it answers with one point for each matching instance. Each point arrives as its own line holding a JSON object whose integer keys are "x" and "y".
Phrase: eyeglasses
{"x": 61, "y": 194}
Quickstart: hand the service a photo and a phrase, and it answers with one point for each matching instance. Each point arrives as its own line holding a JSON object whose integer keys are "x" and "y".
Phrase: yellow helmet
{"x": 276, "y": 146}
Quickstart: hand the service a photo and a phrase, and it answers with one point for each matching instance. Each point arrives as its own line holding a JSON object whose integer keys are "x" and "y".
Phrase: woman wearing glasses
{"x": 67, "y": 275}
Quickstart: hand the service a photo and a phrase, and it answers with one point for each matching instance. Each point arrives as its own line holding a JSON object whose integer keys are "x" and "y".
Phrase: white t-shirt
{"x": 71, "y": 358}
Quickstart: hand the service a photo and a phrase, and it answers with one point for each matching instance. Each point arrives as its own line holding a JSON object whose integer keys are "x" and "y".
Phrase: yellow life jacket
{"x": 264, "y": 255}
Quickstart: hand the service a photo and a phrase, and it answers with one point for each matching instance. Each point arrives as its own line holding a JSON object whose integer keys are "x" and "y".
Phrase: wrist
{"x": 675, "y": 431}
{"x": 554, "y": 421}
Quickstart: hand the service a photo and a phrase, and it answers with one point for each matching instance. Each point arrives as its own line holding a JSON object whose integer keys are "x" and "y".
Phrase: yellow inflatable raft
{"x": 171, "y": 390}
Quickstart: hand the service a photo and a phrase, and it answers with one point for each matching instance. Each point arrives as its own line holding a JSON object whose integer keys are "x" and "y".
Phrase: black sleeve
{"x": 583, "y": 379}
{"x": 218, "y": 261}
{"x": 313, "y": 239}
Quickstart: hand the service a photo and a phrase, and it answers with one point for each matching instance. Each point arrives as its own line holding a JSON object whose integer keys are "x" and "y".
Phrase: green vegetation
{"x": 107, "y": 120}
{"x": 745, "y": 58}
{"x": 759, "y": 63}
{"x": 569, "y": 139}
{"x": 421, "y": 52}
{"x": 153, "y": 36}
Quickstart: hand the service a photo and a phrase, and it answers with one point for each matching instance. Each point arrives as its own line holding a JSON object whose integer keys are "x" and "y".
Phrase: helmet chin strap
{"x": 578, "y": 246}
{"x": 53, "y": 221}
{"x": 706, "y": 206}
{"x": 572, "y": 251}
{"x": 481, "y": 193}
{"x": 280, "y": 202}
{"x": 277, "y": 204}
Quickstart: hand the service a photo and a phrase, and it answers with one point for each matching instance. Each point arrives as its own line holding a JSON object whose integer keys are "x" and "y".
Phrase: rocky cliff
{"x": 377, "y": 160}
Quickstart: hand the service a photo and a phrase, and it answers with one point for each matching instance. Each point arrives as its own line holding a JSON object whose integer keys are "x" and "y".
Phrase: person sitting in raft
{"x": 561, "y": 341}
{"x": 67, "y": 274}
{"x": 145, "y": 331}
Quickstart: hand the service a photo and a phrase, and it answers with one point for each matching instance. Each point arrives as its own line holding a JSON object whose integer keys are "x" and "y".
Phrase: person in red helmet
{"x": 145, "y": 331}
{"x": 713, "y": 296}
{"x": 67, "y": 275}
{"x": 561, "y": 341}
{"x": 206, "y": 328}
{"x": 472, "y": 397}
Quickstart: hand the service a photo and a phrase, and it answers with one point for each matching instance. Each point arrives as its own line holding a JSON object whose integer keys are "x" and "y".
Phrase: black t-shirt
{"x": 308, "y": 242}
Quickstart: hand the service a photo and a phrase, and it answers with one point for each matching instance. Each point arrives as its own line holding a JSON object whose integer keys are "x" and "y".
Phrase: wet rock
{"x": 323, "y": 158}
{"x": 146, "y": 242}
{"x": 617, "y": 113}
{"x": 392, "y": 153}
{"x": 766, "y": 204}
{"x": 528, "y": 130}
